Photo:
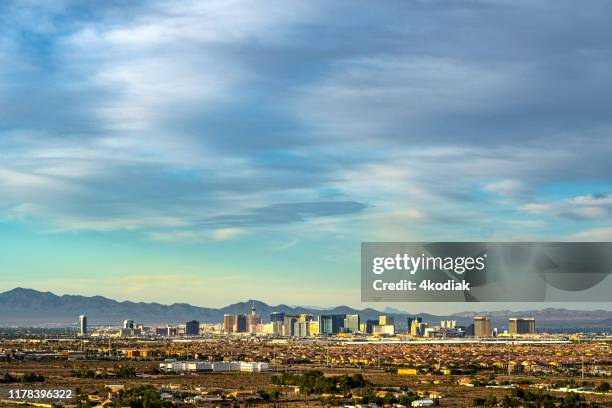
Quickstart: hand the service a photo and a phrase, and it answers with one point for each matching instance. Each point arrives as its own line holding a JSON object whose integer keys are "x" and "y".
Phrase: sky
{"x": 213, "y": 152}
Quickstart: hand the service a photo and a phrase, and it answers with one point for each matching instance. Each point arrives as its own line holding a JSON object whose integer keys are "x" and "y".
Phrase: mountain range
{"x": 21, "y": 306}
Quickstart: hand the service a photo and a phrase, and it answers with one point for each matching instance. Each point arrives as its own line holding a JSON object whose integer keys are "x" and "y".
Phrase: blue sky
{"x": 211, "y": 152}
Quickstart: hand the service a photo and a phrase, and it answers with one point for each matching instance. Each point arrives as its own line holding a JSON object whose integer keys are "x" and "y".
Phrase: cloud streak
{"x": 166, "y": 116}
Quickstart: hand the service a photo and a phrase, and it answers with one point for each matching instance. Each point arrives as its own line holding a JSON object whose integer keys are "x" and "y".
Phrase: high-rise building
{"x": 83, "y": 325}
{"x": 288, "y": 328}
{"x": 386, "y": 321}
{"x": 301, "y": 326}
{"x": 277, "y": 320}
{"x": 305, "y": 317}
{"x": 278, "y": 327}
{"x": 521, "y": 325}
{"x": 128, "y": 324}
{"x": 301, "y": 329}
{"x": 314, "y": 328}
{"x": 482, "y": 326}
{"x": 252, "y": 320}
{"x": 351, "y": 323}
{"x": 417, "y": 327}
{"x": 228, "y": 323}
{"x": 331, "y": 324}
{"x": 240, "y": 325}
{"x": 171, "y": 330}
{"x": 409, "y": 321}
{"x": 277, "y": 316}
{"x": 369, "y": 326}
{"x": 192, "y": 328}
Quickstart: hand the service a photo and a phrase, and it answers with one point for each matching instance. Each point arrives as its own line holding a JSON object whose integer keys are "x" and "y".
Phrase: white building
{"x": 225, "y": 366}
{"x": 185, "y": 366}
{"x": 253, "y": 367}
{"x": 215, "y": 366}
{"x": 422, "y": 403}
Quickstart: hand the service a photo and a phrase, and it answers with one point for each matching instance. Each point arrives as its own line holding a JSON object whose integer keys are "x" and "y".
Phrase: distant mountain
{"x": 31, "y": 307}
{"x": 28, "y": 306}
{"x": 393, "y": 310}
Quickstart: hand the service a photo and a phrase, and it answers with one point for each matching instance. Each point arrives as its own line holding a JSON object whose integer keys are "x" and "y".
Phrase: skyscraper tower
{"x": 277, "y": 316}
{"x": 351, "y": 322}
{"x": 252, "y": 319}
{"x": 386, "y": 320}
{"x": 482, "y": 326}
{"x": 521, "y": 325}
{"x": 228, "y": 323}
{"x": 277, "y": 319}
{"x": 331, "y": 324}
{"x": 83, "y": 325}
{"x": 240, "y": 323}
{"x": 417, "y": 327}
{"x": 192, "y": 328}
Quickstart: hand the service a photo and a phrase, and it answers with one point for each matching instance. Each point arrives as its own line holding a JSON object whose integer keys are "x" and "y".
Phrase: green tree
{"x": 490, "y": 401}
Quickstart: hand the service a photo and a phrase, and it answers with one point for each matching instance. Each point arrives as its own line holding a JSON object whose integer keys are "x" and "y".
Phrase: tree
{"x": 509, "y": 402}
{"x": 31, "y": 377}
{"x": 275, "y": 395}
{"x": 490, "y": 401}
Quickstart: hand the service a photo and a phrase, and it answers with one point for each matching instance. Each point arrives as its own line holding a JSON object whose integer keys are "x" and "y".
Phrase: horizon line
{"x": 327, "y": 308}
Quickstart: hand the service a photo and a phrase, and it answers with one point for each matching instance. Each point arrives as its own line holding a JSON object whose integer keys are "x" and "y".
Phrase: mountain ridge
{"x": 29, "y": 306}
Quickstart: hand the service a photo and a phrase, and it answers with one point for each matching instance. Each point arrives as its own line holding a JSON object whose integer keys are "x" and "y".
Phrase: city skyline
{"x": 210, "y": 152}
{"x": 29, "y": 307}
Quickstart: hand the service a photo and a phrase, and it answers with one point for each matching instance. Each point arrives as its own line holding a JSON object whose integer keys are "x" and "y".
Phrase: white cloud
{"x": 223, "y": 234}
{"x": 149, "y": 92}
{"x": 589, "y": 212}
{"x": 168, "y": 62}
{"x": 286, "y": 245}
{"x": 595, "y": 207}
{"x": 596, "y": 234}
{"x": 508, "y": 187}
{"x": 592, "y": 200}
{"x": 191, "y": 236}
{"x": 537, "y": 208}
{"x": 63, "y": 224}
{"x": 23, "y": 181}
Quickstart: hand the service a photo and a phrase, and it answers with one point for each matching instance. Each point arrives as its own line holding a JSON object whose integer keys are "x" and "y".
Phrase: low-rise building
{"x": 422, "y": 403}
{"x": 215, "y": 366}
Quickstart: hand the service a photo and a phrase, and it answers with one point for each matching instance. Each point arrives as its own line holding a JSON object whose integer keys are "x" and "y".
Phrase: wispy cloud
{"x": 183, "y": 119}
{"x": 506, "y": 188}
{"x": 286, "y": 245}
{"x": 595, "y": 234}
{"x": 591, "y": 206}
{"x": 223, "y": 234}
